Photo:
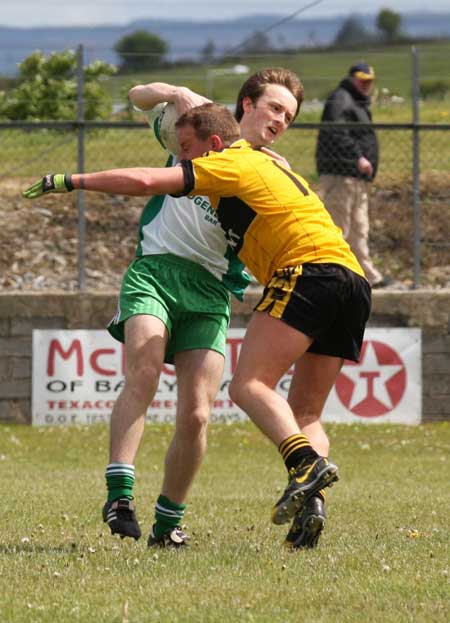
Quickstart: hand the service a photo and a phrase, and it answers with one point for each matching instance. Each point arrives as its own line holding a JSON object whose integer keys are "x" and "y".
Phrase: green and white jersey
{"x": 188, "y": 227}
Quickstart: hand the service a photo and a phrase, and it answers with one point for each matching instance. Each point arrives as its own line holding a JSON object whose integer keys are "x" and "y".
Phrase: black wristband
{"x": 68, "y": 181}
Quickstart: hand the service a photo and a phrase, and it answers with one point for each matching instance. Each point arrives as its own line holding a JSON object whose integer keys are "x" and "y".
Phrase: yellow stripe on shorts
{"x": 280, "y": 288}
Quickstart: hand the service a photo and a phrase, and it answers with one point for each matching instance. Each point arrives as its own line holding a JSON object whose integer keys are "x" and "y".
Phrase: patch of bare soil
{"x": 39, "y": 239}
{"x": 392, "y": 232}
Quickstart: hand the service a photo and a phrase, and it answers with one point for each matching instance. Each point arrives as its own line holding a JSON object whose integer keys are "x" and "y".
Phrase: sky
{"x": 28, "y": 13}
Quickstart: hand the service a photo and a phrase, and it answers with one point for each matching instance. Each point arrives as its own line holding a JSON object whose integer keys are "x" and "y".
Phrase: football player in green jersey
{"x": 267, "y": 103}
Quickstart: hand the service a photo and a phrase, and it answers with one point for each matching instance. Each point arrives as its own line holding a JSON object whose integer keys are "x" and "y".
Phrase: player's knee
{"x": 199, "y": 420}
{"x": 193, "y": 424}
{"x": 142, "y": 382}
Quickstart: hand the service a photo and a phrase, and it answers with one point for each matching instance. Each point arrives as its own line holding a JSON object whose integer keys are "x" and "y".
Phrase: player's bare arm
{"x": 146, "y": 96}
{"x": 137, "y": 182}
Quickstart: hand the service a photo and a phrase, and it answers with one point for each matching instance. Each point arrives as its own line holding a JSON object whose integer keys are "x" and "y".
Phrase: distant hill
{"x": 186, "y": 39}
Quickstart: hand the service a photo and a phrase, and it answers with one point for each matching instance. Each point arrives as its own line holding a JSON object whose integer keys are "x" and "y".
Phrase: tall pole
{"x": 80, "y": 168}
{"x": 417, "y": 250}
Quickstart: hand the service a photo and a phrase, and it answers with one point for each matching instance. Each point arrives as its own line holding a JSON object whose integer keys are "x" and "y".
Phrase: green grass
{"x": 318, "y": 70}
{"x": 383, "y": 556}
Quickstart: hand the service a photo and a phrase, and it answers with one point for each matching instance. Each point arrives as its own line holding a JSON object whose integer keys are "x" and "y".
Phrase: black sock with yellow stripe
{"x": 295, "y": 450}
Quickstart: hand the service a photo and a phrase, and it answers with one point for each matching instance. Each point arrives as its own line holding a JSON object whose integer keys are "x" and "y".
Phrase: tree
{"x": 140, "y": 51}
{"x": 208, "y": 51}
{"x": 389, "y": 23}
{"x": 47, "y": 89}
{"x": 352, "y": 32}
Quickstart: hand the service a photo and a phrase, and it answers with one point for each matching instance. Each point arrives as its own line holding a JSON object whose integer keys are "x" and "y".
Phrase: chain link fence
{"x": 408, "y": 235}
{"x": 88, "y": 238}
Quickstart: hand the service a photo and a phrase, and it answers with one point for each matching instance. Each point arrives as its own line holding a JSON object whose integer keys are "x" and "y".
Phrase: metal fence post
{"x": 80, "y": 160}
{"x": 417, "y": 250}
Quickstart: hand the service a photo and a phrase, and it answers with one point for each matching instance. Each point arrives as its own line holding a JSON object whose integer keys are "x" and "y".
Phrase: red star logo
{"x": 376, "y": 384}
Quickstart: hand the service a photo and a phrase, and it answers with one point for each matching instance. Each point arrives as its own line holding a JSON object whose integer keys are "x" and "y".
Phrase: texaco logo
{"x": 376, "y": 384}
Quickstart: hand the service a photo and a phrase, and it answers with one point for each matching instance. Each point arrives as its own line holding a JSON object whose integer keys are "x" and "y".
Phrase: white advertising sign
{"x": 77, "y": 376}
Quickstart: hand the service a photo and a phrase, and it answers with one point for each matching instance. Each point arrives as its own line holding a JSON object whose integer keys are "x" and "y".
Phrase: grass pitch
{"x": 384, "y": 556}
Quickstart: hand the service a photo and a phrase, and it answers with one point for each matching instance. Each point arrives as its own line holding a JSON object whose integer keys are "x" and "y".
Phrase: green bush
{"x": 47, "y": 89}
{"x": 437, "y": 89}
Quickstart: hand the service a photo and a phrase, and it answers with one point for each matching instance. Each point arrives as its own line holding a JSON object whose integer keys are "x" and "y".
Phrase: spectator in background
{"x": 347, "y": 161}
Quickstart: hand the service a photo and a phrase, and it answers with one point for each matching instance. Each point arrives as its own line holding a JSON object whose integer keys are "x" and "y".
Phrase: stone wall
{"x": 21, "y": 313}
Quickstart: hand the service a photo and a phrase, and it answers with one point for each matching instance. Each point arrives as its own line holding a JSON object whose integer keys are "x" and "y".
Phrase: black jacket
{"x": 339, "y": 149}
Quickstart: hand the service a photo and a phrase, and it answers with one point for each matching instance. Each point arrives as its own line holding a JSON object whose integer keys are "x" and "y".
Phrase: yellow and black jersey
{"x": 271, "y": 217}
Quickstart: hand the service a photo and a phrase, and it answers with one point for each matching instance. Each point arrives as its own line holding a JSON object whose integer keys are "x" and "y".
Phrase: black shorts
{"x": 327, "y": 302}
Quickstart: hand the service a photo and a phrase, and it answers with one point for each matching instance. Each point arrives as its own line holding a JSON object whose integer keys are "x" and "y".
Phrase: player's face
{"x": 191, "y": 146}
{"x": 266, "y": 119}
{"x": 365, "y": 87}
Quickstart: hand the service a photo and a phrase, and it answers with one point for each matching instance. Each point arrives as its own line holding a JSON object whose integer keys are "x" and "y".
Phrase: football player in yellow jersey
{"x": 313, "y": 310}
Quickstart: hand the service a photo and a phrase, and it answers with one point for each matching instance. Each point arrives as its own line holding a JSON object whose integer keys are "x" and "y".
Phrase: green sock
{"x": 168, "y": 515}
{"x": 119, "y": 481}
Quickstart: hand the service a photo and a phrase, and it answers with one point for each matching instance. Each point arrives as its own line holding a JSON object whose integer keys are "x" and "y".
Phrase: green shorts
{"x": 194, "y": 305}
